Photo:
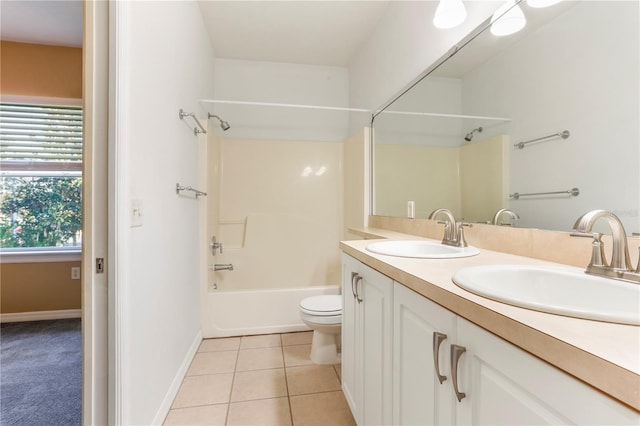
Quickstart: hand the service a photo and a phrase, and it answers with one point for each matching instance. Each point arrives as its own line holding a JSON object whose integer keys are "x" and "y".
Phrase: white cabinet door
{"x": 350, "y": 355}
{"x": 376, "y": 327}
{"x": 366, "y": 342}
{"x": 505, "y": 385}
{"x": 418, "y": 396}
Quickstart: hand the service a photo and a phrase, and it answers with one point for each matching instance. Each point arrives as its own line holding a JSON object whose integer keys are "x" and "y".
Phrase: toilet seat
{"x": 324, "y": 306}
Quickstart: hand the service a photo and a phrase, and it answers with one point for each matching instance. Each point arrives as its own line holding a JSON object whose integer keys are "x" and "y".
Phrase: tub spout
{"x": 222, "y": 267}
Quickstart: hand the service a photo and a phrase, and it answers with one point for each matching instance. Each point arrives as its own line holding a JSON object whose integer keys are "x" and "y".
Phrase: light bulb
{"x": 512, "y": 21}
{"x": 538, "y": 4}
{"x": 449, "y": 14}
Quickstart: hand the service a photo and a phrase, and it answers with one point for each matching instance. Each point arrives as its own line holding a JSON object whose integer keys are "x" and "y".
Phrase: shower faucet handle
{"x": 215, "y": 245}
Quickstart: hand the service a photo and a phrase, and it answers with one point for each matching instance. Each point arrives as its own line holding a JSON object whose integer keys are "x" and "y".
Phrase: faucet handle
{"x": 597, "y": 248}
{"x": 448, "y": 232}
{"x": 597, "y": 251}
{"x": 215, "y": 245}
{"x": 462, "y": 242}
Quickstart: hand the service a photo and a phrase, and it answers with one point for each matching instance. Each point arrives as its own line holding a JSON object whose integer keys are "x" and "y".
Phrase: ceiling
{"x": 54, "y": 22}
{"x": 304, "y": 32}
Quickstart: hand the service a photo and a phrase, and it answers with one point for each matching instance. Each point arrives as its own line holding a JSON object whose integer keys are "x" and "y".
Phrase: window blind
{"x": 38, "y": 137}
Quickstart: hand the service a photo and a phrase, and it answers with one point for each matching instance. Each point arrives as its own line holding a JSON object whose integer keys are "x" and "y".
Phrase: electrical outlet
{"x": 75, "y": 273}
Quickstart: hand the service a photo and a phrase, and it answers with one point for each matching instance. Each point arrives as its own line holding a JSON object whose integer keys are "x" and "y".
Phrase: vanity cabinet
{"x": 418, "y": 396}
{"x": 501, "y": 383}
{"x": 402, "y": 354}
{"x": 366, "y": 342}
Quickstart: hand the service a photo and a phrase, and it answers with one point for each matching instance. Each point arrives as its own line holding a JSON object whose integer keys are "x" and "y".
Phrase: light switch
{"x": 137, "y": 213}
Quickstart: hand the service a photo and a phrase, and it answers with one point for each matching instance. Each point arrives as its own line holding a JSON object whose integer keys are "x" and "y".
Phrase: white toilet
{"x": 324, "y": 315}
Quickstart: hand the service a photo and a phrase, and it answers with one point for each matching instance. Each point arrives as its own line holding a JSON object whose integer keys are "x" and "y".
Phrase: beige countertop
{"x": 603, "y": 355}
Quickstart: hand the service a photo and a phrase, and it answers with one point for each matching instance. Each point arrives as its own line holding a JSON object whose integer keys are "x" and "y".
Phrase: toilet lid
{"x": 330, "y": 304}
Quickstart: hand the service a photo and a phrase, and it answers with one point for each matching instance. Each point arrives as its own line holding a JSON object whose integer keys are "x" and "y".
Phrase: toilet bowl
{"x": 323, "y": 314}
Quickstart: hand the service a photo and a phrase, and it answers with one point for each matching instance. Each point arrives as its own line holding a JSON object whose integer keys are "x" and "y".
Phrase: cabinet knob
{"x": 456, "y": 353}
{"x": 438, "y": 338}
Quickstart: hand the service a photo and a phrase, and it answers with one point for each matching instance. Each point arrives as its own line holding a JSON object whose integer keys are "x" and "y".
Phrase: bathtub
{"x": 242, "y": 313}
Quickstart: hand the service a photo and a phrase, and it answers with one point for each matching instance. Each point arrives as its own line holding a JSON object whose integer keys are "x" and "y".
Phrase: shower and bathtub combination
{"x": 272, "y": 207}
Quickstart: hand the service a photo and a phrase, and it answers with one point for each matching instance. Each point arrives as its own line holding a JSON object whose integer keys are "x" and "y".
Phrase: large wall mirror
{"x": 449, "y": 140}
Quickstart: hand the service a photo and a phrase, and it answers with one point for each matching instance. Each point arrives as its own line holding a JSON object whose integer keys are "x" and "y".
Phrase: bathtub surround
{"x": 274, "y": 197}
{"x": 267, "y": 199}
{"x": 275, "y": 182}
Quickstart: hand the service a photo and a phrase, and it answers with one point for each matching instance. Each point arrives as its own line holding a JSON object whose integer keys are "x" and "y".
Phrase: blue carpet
{"x": 41, "y": 373}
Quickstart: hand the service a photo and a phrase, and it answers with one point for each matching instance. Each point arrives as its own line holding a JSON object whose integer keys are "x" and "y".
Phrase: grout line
{"x": 233, "y": 382}
{"x": 286, "y": 381}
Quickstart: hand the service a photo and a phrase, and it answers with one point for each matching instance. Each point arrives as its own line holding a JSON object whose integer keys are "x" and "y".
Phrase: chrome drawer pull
{"x": 456, "y": 353}
{"x": 438, "y": 338}
{"x": 353, "y": 278}
{"x": 358, "y": 298}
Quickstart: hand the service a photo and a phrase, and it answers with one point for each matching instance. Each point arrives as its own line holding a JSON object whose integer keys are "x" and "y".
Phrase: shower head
{"x": 469, "y": 135}
{"x": 223, "y": 124}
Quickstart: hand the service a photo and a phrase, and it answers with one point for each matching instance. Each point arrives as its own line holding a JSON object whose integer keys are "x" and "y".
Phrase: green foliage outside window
{"x": 40, "y": 211}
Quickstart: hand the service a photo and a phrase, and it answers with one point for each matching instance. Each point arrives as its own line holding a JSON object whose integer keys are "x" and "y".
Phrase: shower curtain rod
{"x": 435, "y": 114}
{"x": 272, "y": 104}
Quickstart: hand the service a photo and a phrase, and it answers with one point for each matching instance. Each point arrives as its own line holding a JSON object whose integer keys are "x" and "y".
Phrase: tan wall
{"x": 355, "y": 181}
{"x": 483, "y": 178}
{"x": 421, "y": 167}
{"x": 48, "y": 72}
{"x": 31, "y": 287}
{"x": 38, "y": 70}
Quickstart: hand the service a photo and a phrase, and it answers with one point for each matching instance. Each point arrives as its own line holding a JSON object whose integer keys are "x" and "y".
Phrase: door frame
{"x": 95, "y": 307}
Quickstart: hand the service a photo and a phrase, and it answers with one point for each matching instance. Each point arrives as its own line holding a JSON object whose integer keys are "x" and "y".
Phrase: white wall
{"x": 589, "y": 85}
{"x": 268, "y": 82}
{"x": 162, "y": 62}
{"x": 404, "y": 44}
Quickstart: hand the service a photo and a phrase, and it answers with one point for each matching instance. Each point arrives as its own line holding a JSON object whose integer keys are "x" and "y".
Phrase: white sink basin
{"x": 557, "y": 290}
{"x": 420, "y": 249}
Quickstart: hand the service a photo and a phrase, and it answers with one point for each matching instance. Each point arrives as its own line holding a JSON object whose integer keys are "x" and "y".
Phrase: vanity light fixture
{"x": 508, "y": 19}
{"x": 449, "y": 14}
{"x": 539, "y": 4}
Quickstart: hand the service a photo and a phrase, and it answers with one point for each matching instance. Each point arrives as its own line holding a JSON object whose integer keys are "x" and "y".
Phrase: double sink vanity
{"x": 507, "y": 329}
{"x": 438, "y": 334}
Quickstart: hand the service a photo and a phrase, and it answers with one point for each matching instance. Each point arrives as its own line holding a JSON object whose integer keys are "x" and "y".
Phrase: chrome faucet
{"x": 496, "y": 217}
{"x": 620, "y": 267}
{"x": 453, "y": 231}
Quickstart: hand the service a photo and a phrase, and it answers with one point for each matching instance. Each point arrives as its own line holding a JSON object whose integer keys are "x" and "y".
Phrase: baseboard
{"x": 170, "y": 396}
{"x": 41, "y": 315}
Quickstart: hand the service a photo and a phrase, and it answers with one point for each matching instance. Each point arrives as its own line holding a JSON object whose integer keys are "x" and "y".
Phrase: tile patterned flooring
{"x": 259, "y": 380}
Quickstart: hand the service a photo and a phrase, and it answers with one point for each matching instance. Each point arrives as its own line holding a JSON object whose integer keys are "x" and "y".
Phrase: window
{"x": 40, "y": 178}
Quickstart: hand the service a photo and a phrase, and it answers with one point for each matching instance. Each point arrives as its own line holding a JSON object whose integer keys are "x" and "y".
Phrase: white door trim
{"x": 118, "y": 193}
{"x": 94, "y": 209}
